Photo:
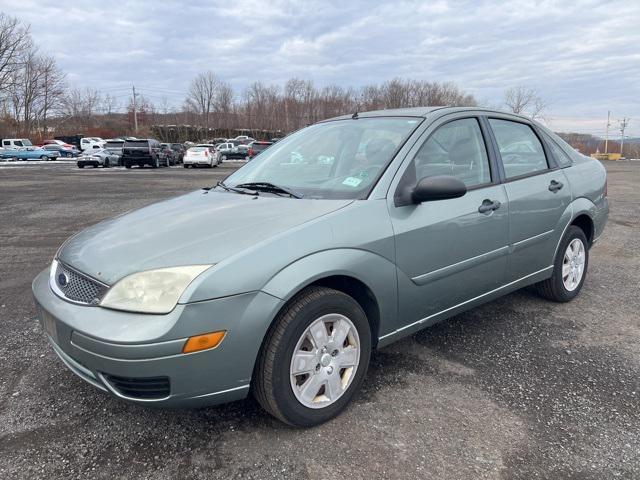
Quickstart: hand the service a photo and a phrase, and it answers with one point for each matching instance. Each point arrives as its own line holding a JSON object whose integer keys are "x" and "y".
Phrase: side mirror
{"x": 438, "y": 187}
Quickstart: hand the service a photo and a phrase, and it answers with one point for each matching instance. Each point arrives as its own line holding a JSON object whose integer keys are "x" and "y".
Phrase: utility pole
{"x": 606, "y": 140}
{"x": 135, "y": 111}
{"x": 623, "y": 126}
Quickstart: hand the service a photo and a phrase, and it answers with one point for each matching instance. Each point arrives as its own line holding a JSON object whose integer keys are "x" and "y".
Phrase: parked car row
{"x": 131, "y": 151}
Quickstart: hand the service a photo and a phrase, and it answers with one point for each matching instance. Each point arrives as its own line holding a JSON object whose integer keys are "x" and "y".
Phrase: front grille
{"x": 145, "y": 388}
{"x": 77, "y": 287}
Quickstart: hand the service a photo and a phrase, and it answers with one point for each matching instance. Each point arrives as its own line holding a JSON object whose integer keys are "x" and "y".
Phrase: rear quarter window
{"x": 561, "y": 157}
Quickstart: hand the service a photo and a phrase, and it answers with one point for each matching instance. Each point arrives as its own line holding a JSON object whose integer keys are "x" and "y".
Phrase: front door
{"x": 450, "y": 251}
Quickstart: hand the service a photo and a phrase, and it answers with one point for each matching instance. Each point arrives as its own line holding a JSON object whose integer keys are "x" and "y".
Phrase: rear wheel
{"x": 185, "y": 166}
{"x": 44, "y": 158}
{"x": 569, "y": 268}
{"x": 126, "y": 165}
{"x": 314, "y": 358}
{"x": 106, "y": 163}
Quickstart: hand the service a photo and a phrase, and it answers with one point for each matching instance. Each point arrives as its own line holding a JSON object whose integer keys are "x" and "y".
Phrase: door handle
{"x": 555, "y": 186}
{"x": 489, "y": 206}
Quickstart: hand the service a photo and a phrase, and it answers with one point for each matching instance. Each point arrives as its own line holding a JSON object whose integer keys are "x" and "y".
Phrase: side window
{"x": 561, "y": 157}
{"x": 456, "y": 148}
{"x": 520, "y": 148}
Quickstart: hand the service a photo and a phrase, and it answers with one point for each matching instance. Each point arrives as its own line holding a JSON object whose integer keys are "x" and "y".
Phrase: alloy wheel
{"x": 325, "y": 361}
{"x": 573, "y": 264}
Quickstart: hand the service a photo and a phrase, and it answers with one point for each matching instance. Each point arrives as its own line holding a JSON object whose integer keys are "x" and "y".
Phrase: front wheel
{"x": 44, "y": 158}
{"x": 569, "y": 268}
{"x": 314, "y": 358}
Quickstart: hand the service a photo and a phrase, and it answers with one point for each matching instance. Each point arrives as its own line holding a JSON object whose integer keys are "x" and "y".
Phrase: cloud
{"x": 581, "y": 56}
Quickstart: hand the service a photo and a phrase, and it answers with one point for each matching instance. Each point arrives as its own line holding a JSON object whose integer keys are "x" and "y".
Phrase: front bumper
{"x": 99, "y": 344}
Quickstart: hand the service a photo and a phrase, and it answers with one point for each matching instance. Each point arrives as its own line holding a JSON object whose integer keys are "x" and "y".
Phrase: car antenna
{"x": 355, "y": 116}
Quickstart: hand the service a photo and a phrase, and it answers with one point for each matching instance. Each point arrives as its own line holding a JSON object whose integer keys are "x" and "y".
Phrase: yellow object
{"x": 606, "y": 156}
{"x": 203, "y": 342}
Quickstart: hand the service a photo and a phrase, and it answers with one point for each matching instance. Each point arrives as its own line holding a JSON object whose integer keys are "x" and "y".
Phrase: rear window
{"x": 520, "y": 148}
{"x": 198, "y": 149}
{"x": 114, "y": 144}
{"x": 258, "y": 147}
{"x": 137, "y": 144}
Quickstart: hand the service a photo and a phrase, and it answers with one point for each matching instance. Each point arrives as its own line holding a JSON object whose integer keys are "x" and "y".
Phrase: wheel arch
{"x": 585, "y": 223}
{"x": 365, "y": 276}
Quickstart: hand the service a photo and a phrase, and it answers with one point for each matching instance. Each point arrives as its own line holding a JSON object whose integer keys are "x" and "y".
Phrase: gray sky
{"x": 582, "y": 56}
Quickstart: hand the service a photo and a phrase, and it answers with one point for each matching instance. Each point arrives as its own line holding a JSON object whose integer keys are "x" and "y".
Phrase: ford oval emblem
{"x": 63, "y": 279}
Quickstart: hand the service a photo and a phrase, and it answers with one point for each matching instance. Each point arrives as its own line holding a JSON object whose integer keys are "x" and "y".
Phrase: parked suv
{"x": 143, "y": 152}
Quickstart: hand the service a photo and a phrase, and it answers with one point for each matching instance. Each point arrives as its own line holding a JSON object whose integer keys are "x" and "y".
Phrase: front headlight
{"x": 153, "y": 291}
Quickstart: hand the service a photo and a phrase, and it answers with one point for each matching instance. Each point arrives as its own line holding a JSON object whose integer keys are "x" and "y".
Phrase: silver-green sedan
{"x": 343, "y": 237}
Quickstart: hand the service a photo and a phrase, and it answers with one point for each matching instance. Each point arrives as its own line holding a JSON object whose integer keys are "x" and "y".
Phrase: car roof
{"x": 422, "y": 112}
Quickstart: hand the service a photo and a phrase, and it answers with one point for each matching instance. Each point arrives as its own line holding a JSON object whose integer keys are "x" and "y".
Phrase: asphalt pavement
{"x": 519, "y": 388}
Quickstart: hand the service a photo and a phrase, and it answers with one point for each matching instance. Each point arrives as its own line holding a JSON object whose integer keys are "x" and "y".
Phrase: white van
{"x": 10, "y": 143}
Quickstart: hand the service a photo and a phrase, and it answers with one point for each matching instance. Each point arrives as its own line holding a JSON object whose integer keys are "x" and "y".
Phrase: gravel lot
{"x": 518, "y": 388}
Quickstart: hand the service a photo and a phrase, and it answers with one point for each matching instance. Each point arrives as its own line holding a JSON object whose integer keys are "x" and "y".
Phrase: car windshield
{"x": 339, "y": 159}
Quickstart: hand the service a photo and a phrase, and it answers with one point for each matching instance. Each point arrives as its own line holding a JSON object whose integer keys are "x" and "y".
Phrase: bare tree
{"x": 80, "y": 107}
{"x": 109, "y": 104}
{"x": 525, "y": 101}
{"x": 52, "y": 90}
{"x": 202, "y": 95}
{"x": 14, "y": 40}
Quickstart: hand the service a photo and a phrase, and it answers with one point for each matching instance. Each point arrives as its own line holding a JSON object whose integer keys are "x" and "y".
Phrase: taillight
{"x": 250, "y": 152}
{"x": 606, "y": 181}
{"x": 206, "y": 153}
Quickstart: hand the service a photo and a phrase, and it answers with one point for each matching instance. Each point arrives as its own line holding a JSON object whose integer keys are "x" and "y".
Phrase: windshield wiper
{"x": 269, "y": 187}
{"x": 236, "y": 190}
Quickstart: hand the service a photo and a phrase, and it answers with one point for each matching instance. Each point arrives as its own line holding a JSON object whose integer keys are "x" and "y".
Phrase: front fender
{"x": 375, "y": 271}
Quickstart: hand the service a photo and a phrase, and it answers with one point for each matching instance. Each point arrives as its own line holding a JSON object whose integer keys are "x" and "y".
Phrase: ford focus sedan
{"x": 339, "y": 239}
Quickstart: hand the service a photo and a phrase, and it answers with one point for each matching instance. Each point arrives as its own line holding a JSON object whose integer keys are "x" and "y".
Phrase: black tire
{"x": 106, "y": 163}
{"x": 155, "y": 164}
{"x": 81, "y": 166}
{"x": 185, "y": 166}
{"x": 44, "y": 158}
{"x": 126, "y": 165}
{"x": 272, "y": 387}
{"x": 553, "y": 288}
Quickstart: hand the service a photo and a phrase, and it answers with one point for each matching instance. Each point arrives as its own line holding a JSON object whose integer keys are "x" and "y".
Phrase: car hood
{"x": 199, "y": 228}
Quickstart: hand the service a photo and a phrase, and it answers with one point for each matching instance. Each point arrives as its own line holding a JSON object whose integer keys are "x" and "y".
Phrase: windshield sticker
{"x": 352, "y": 181}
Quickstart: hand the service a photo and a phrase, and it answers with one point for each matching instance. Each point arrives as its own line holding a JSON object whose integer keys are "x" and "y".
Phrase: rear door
{"x": 450, "y": 251}
{"x": 538, "y": 194}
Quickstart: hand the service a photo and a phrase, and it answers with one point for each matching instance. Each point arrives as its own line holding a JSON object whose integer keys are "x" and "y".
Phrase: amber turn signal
{"x": 203, "y": 342}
